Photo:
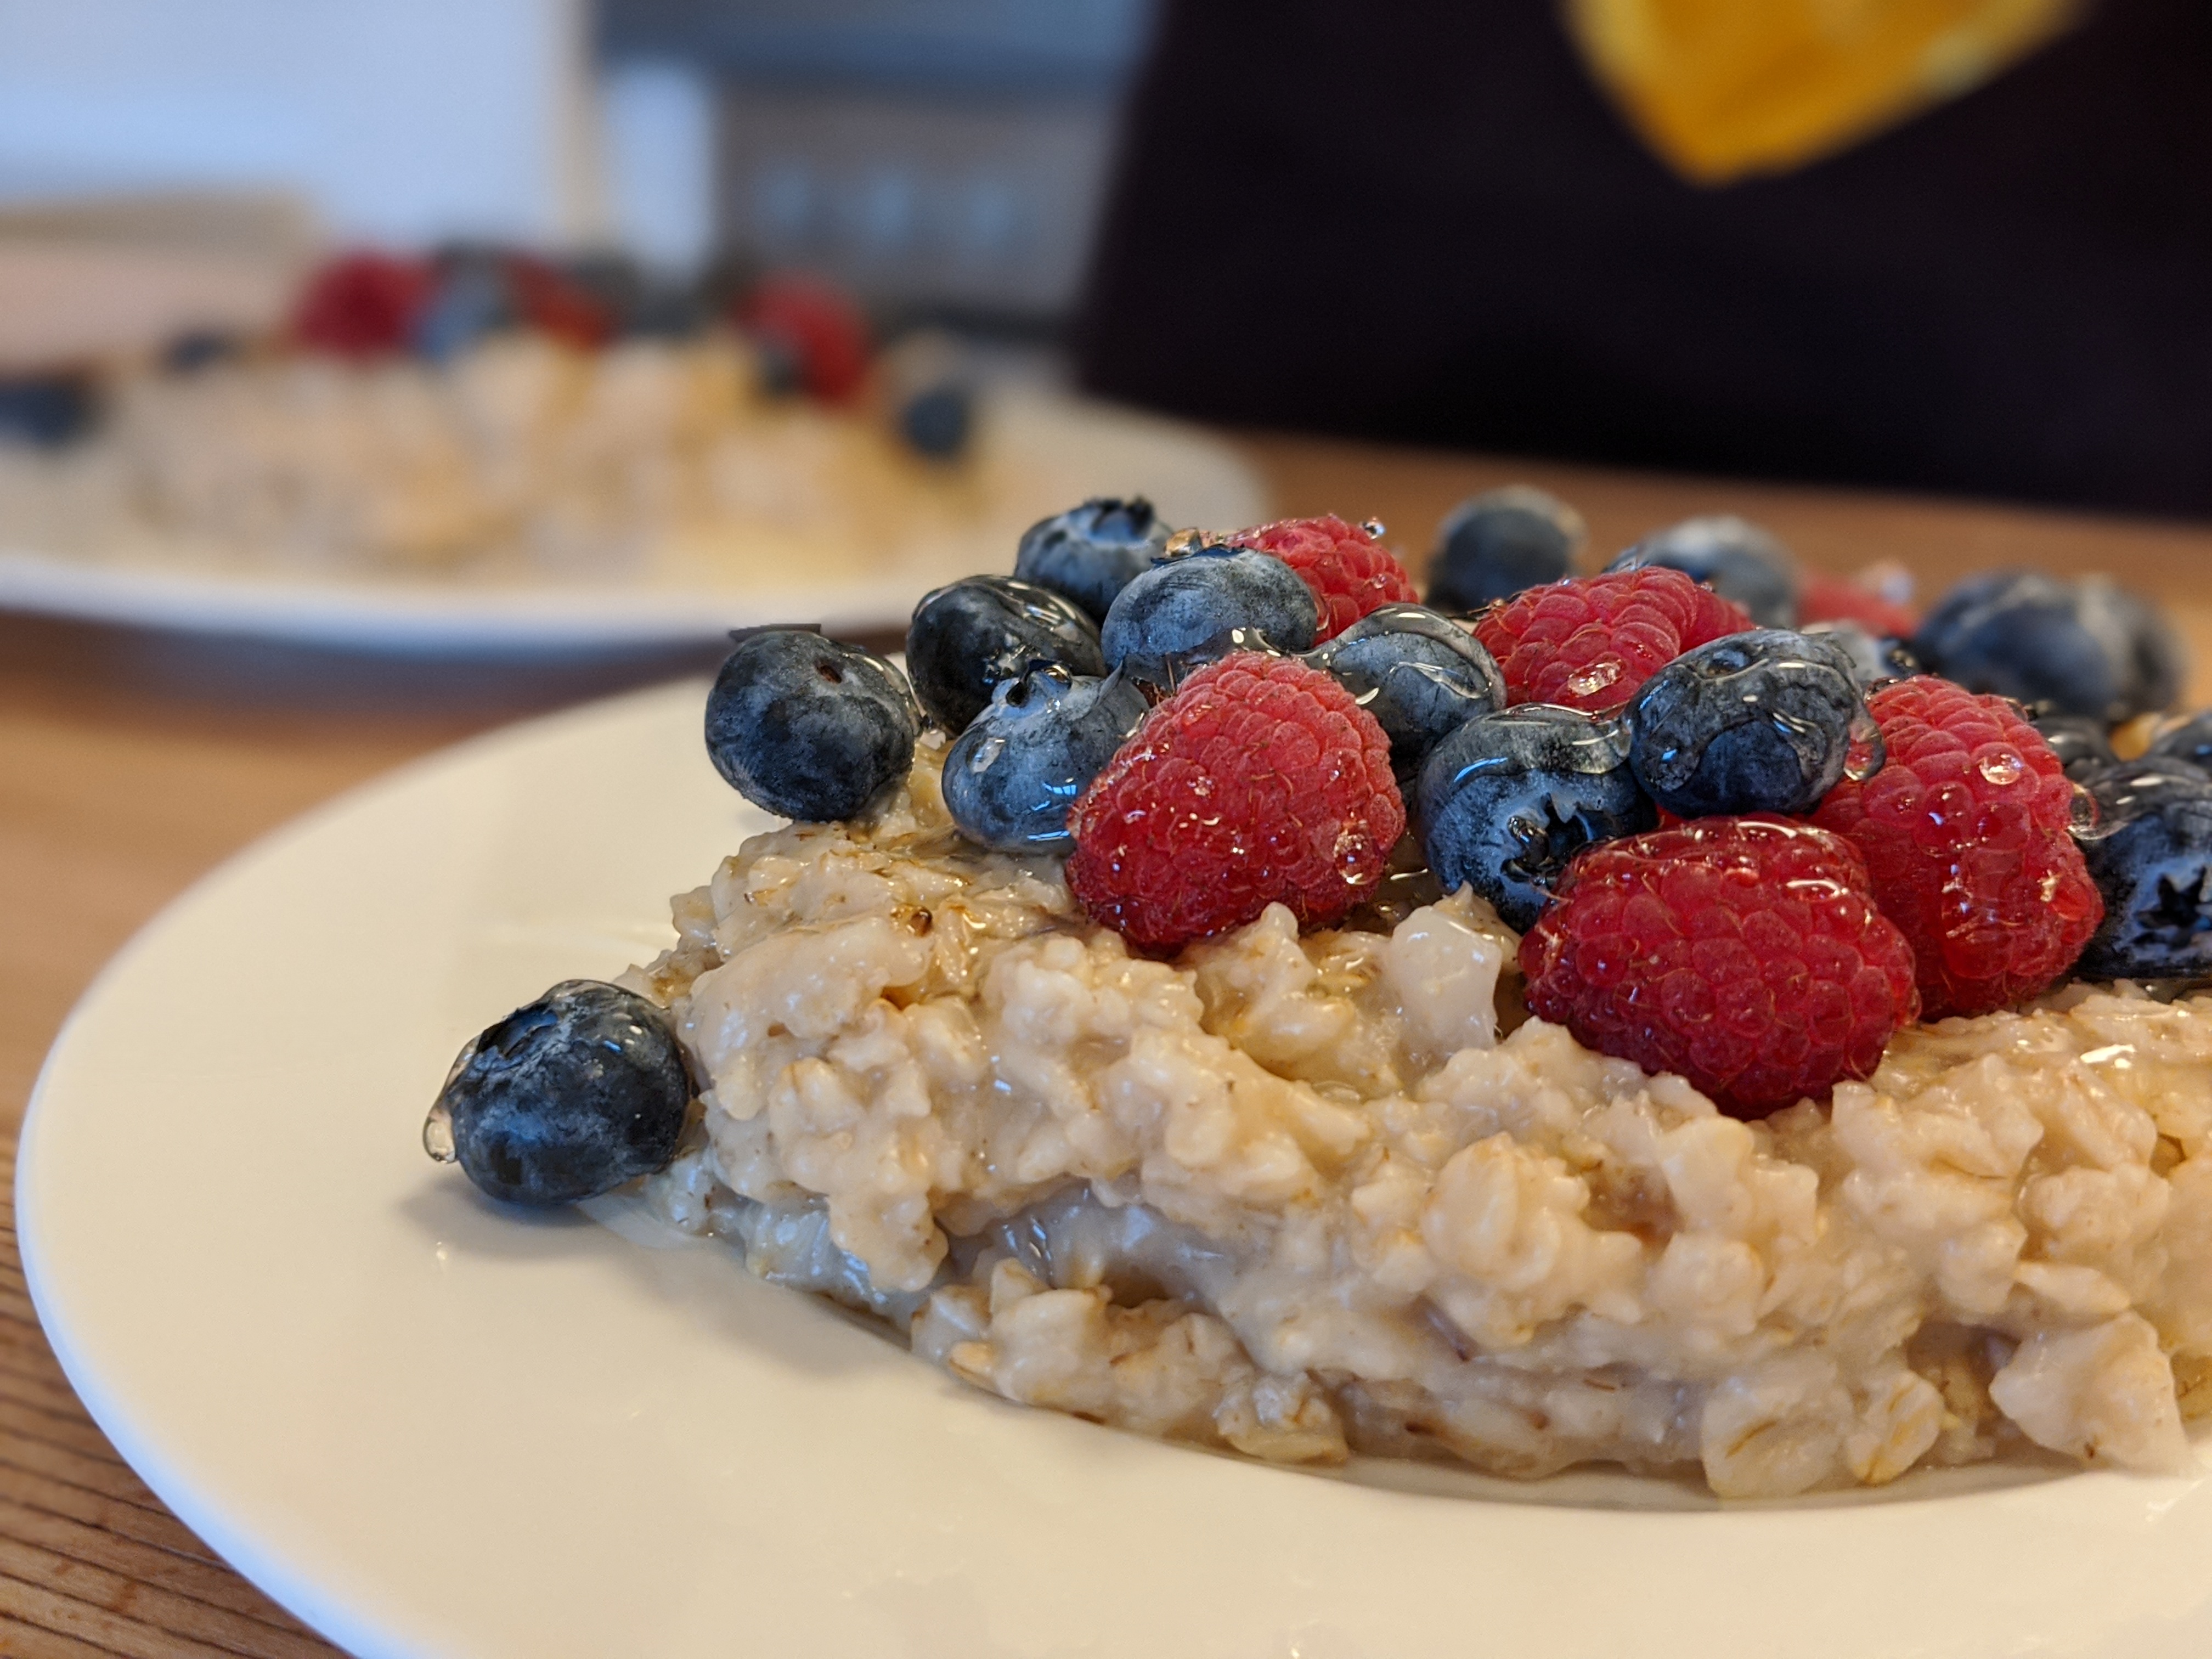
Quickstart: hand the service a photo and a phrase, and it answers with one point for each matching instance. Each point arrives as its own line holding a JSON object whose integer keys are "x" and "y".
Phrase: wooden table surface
{"x": 130, "y": 763}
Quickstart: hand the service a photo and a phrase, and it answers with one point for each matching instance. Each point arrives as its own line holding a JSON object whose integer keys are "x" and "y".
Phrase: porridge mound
{"x": 1307, "y": 1196}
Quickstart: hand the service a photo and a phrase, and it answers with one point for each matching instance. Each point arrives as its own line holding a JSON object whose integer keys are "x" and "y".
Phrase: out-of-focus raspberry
{"x": 550, "y": 301}
{"x": 819, "y": 331}
{"x": 1838, "y": 598}
{"x": 1746, "y": 954}
{"x": 1966, "y": 834}
{"x": 363, "y": 305}
{"x": 1259, "y": 782}
{"x": 1588, "y": 642}
{"x": 1350, "y": 572}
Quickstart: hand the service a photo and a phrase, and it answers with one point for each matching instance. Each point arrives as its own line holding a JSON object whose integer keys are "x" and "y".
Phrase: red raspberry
{"x": 1591, "y": 640}
{"x": 1966, "y": 833}
{"x": 363, "y": 305}
{"x": 1350, "y": 572}
{"x": 555, "y": 303}
{"x": 1746, "y": 954}
{"x": 1259, "y": 782}
{"x": 1837, "y": 598}
{"x": 821, "y": 330}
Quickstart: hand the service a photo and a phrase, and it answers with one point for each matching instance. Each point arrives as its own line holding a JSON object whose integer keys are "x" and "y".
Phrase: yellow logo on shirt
{"x": 1723, "y": 88}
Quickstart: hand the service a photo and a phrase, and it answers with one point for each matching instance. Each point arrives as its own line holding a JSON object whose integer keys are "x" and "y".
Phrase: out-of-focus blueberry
{"x": 1873, "y": 659}
{"x": 2079, "y": 647}
{"x": 1490, "y": 546}
{"x": 1757, "y": 722}
{"x": 970, "y": 637}
{"x": 1508, "y": 798}
{"x": 1203, "y": 602}
{"x": 808, "y": 726}
{"x": 2190, "y": 742}
{"x": 2151, "y": 856}
{"x": 1419, "y": 673}
{"x": 2084, "y": 746}
{"x": 1733, "y": 557}
{"x": 566, "y": 1098}
{"x": 936, "y": 421}
{"x": 1014, "y": 773}
{"x": 473, "y": 299}
{"x": 46, "y": 410}
{"x": 1090, "y": 553}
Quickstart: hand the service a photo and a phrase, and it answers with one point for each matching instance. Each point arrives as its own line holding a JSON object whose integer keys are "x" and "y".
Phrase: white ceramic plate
{"x": 432, "y": 1430}
{"x": 1038, "y": 452}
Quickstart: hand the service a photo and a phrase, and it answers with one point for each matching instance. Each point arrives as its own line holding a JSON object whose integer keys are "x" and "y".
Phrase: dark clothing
{"x": 1421, "y": 219}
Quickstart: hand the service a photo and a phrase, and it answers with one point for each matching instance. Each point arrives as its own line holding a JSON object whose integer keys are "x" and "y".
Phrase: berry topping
{"x": 1823, "y": 598}
{"x": 2081, "y": 648}
{"x": 2152, "y": 860}
{"x": 1491, "y": 546}
{"x": 2189, "y": 742}
{"x": 1090, "y": 553}
{"x": 1589, "y": 642}
{"x": 1506, "y": 800}
{"x": 970, "y": 637}
{"x": 807, "y": 727}
{"x": 1746, "y": 955}
{"x": 1201, "y": 601}
{"x": 1733, "y": 557}
{"x": 2083, "y": 745}
{"x": 1349, "y": 571}
{"x": 1965, "y": 832}
{"x": 1259, "y": 782}
{"x": 1757, "y": 722}
{"x": 1420, "y": 674}
{"x": 363, "y": 305}
{"x": 566, "y": 1098}
{"x": 1011, "y": 779}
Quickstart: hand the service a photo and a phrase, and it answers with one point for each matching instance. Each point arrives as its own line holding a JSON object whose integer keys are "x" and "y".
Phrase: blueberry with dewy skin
{"x": 1202, "y": 603}
{"x": 2078, "y": 647}
{"x": 1491, "y": 546}
{"x": 807, "y": 727}
{"x": 1757, "y": 722}
{"x": 1508, "y": 798}
{"x": 1014, "y": 773}
{"x": 1873, "y": 659}
{"x": 970, "y": 637}
{"x": 2083, "y": 745}
{"x": 1420, "y": 674}
{"x": 2151, "y": 857}
{"x": 1733, "y": 557}
{"x": 569, "y": 1097}
{"x": 1090, "y": 553}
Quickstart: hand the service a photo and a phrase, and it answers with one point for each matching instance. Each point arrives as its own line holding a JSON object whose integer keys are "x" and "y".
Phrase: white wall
{"x": 400, "y": 120}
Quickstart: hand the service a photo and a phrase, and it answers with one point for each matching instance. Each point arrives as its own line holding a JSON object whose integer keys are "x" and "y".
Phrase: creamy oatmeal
{"x": 1308, "y": 1196}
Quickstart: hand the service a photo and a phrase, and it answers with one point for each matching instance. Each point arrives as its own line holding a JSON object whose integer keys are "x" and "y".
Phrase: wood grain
{"x": 131, "y": 763}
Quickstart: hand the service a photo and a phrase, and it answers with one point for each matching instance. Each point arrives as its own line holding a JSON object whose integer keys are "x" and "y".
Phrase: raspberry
{"x": 1259, "y": 782}
{"x": 1588, "y": 642}
{"x": 1350, "y": 572}
{"x": 820, "y": 333}
{"x": 1966, "y": 833}
{"x": 1746, "y": 954}
{"x": 363, "y": 305}
{"x": 1834, "y": 599}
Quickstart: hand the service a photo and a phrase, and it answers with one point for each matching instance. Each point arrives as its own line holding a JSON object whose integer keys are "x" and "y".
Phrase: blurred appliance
{"x": 942, "y": 158}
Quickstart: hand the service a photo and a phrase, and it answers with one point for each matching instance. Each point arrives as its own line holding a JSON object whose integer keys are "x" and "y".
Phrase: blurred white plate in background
{"x": 1037, "y": 453}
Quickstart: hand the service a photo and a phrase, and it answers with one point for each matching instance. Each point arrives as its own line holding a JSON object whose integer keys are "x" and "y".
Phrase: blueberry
{"x": 1091, "y": 552}
{"x": 2081, "y": 648}
{"x": 2151, "y": 857}
{"x": 971, "y": 636}
{"x": 1420, "y": 674}
{"x": 1508, "y": 798}
{"x": 936, "y": 421}
{"x": 1873, "y": 659}
{"x": 2190, "y": 742}
{"x": 1010, "y": 778}
{"x": 45, "y": 410}
{"x": 1757, "y": 722}
{"x": 584, "y": 1089}
{"x": 807, "y": 727}
{"x": 1731, "y": 556}
{"x": 2083, "y": 746}
{"x": 473, "y": 299}
{"x": 1198, "y": 604}
{"x": 1490, "y": 546}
